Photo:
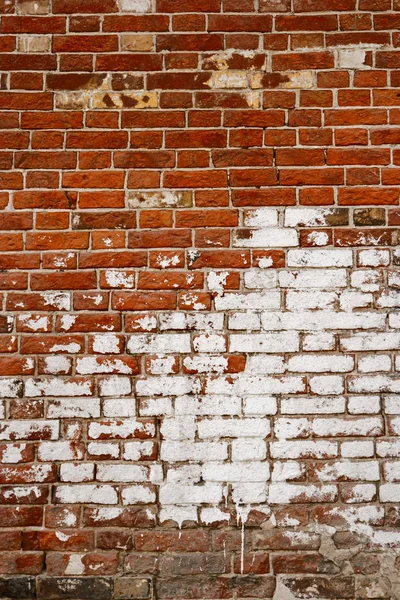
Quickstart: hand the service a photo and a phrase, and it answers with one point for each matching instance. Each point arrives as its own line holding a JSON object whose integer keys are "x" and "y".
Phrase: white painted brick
{"x": 287, "y": 471}
{"x": 248, "y": 450}
{"x": 374, "y": 362}
{"x": 394, "y": 279}
{"x": 389, "y": 299}
{"x": 249, "y": 493}
{"x": 367, "y": 280}
{"x": 260, "y": 217}
{"x": 350, "y": 300}
{"x": 206, "y": 364}
{"x": 260, "y": 405}
{"x": 394, "y": 320}
{"x": 374, "y": 384}
{"x": 63, "y": 450}
{"x": 119, "y": 407}
{"x": 269, "y": 385}
{"x": 331, "y": 427}
{"x": 389, "y": 492}
{"x": 363, "y": 405}
{"x": 122, "y": 473}
{"x": 391, "y": 471}
{"x": 315, "y": 257}
{"x": 291, "y": 428}
{"x": 56, "y": 387}
{"x": 272, "y": 237}
{"x": 264, "y": 342}
{"x": 198, "y": 322}
{"x": 321, "y": 320}
{"x": 78, "y": 472}
{"x": 208, "y": 405}
{"x": 326, "y": 384}
{"x": 388, "y": 449}
{"x": 165, "y": 343}
{"x": 103, "y": 449}
{"x": 234, "y": 428}
{"x": 313, "y": 278}
{"x": 377, "y": 341}
{"x": 309, "y": 406}
{"x": 210, "y": 493}
{"x": 298, "y": 301}
{"x": 136, "y": 450}
{"x": 265, "y": 363}
{"x": 242, "y": 321}
{"x": 249, "y": 301}
{"x": 135, "y": 6}
{"x": 88, "y": 365}
{"x": 357, "y": 449}
{"x": 74, "y": 407}
{"x": 314, "y": 363}
{"x": 230, "y": 472}
{"x": 304, "y": 449}
{"x": 162, "y": 365}
{"x": 286, "y": 493}
{"x": 259, "y": 279}
{"x": 319, "y": 341}
{"x": 392, "y": 405}
{"x": 152, "y": 407}
{"x": 179, "y": 428}
{"x": 209, "y": 342}
{"x": 362, "y": 492}
{"x": 350, "y": 470}
{"x": 120, "y": 429}
{"x": 307, "y": 216}
{"x": 193, "y": 451}
{"x": 86, "y": 494}
{"x": 137, "y": 494}
{"x": 106, "y": 343}
{"x": 374, "y": 258}
{"x": 166, "y": 386}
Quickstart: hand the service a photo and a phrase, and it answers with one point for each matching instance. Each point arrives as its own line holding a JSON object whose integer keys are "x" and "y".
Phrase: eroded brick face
{"x": 199, "y": 391}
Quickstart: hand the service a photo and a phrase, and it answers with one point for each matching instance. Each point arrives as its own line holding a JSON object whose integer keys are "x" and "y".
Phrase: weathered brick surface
{"x": 199, "y": 285}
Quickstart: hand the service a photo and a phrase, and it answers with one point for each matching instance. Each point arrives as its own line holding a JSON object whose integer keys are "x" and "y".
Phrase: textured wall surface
{"x": 200, "y": 290}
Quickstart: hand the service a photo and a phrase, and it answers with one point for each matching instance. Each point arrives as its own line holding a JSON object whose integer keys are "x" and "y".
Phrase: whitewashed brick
{"x": 315, "y": 257}
{"x": 313, "y": 278}
{"x": 234, "y": 428}
{"x": 74, "y": 407}
{"x": 309, "y": 300}
{"x": 137, "y": 494}
{"x": 314, "y": 363}
{"x": 209, "y": 342}
{"x": 313, "y": 342}
{"x": 259, "y": 279}
{"x": 374, "y": 362}
{"x": 324, "y": 385}
{"x": 363, "y": 405}
{"x": 242, "y": 321}
{"x": 321, "y": 320}
{"x": 165, "y": 343}
{"x": 265, "y": 363}
{"x": 119, "y": 407}
{"x": 377, "y": 341}
{"x": 194, "y": 451}
{"x": 374, "y": 258}
{"x": 78, "y": 472}
{"x": 86, "y": 494}
{"x": 260, "y": 217}
{"x": 309, "y": 406}
{"x": 272, "y": 237}
{"x": 260, "y": 405}
{"x": 208, "y": 405}
{"x": 264, "y": 342}
{"x": 248, "y": 450}
{"x": 357, "y": 449}
{"x": 249, "y": 301}
{"x": 245, "y": 473}
{"x": 304, "y": 449}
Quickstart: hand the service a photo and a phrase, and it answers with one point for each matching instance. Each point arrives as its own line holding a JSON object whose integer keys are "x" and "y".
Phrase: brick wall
{"x": 200, "y": 290}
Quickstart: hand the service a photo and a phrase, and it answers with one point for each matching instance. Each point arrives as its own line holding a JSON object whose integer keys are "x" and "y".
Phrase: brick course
{"x": 199, "y": 369}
